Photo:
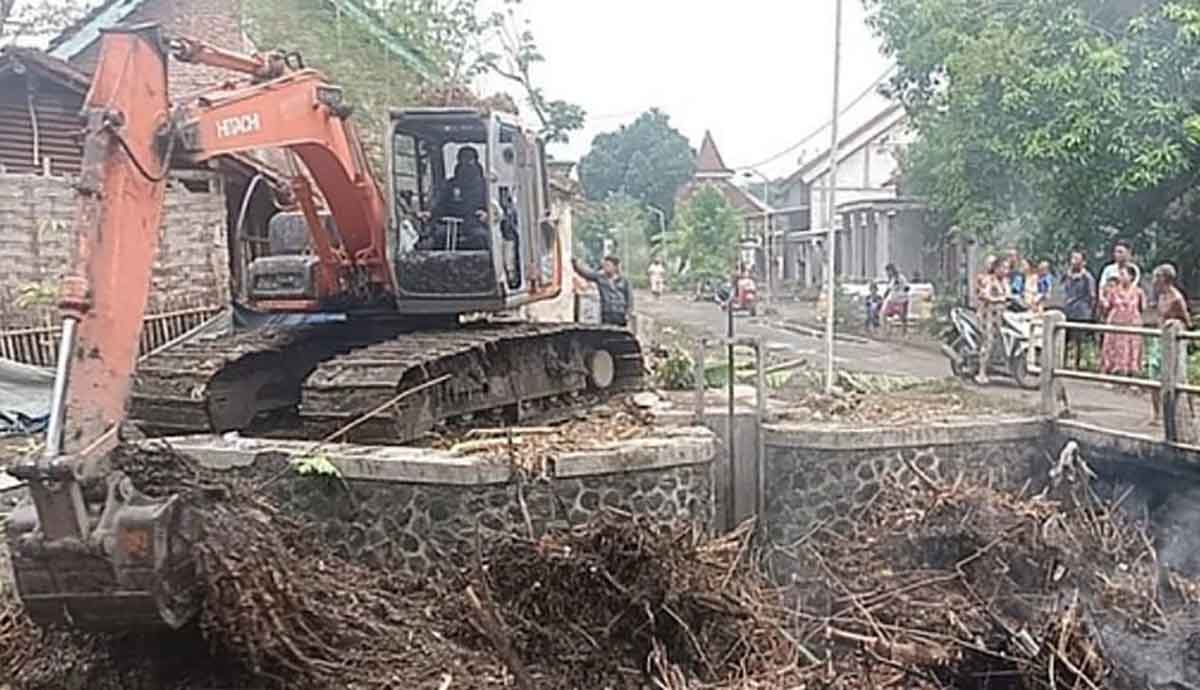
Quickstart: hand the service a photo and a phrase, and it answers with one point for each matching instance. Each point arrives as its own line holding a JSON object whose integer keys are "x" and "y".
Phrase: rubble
{"x": 621, "y": 420}
{"x": 877, "y": 400}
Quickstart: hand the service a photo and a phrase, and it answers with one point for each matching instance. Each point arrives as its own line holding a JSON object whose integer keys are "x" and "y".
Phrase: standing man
{"x": 1079, "y": 301}
{"x": 1122, "y": 255}
{"x": 616, "y": 296}
{"x": 658, "y": 276}
{"x": 1172, "y": 306}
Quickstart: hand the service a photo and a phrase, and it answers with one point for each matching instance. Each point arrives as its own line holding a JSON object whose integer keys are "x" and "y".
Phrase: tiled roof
{"x": 59, "y": 70}
{"x": 709, "y": 161}
{"x": 746, "y": 204}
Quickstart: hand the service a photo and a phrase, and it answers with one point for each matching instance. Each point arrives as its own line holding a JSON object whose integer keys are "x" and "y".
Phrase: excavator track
{"x": 313, "y": 381}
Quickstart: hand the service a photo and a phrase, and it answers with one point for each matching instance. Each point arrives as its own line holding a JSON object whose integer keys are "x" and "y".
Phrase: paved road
{"x": 1091, "y": 403}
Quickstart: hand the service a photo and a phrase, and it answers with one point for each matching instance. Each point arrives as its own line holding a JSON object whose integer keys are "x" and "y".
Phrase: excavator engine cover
{"x": 135, "y": 570}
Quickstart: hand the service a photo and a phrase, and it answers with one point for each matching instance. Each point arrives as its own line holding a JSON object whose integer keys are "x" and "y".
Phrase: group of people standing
{"x": 1117, "y": 298}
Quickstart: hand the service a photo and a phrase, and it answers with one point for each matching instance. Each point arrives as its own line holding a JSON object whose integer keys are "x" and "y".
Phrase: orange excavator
{"x": 374, "y": 301}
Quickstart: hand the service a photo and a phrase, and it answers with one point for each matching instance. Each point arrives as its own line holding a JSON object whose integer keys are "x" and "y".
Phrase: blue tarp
{"x": 24, "y": 398}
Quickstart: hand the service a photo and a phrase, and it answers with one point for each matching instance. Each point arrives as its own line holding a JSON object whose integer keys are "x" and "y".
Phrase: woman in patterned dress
{"x": 1122, "y": 353}
{"x": 993, "y": 296}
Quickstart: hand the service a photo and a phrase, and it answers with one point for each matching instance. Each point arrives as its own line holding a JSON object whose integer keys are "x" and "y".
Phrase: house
{"x": 876, "y": 224}
{"x": 41, "y": 98}
{"x": 711, "y": 172}
{"x": 39, "y": 122}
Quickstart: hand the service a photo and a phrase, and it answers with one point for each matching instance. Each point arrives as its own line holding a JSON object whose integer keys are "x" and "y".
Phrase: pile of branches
{"x": 624, "y": 602}
{"x": 952, "y": 583}
{"x": 936, "y": 582}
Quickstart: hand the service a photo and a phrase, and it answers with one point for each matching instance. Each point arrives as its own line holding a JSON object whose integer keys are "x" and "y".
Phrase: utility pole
{"x": 767, "y": 255}
{"x": 831, "y": 242}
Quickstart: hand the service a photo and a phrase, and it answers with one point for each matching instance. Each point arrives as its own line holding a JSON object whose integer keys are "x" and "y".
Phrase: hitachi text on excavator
{"x": 374, "y": 287}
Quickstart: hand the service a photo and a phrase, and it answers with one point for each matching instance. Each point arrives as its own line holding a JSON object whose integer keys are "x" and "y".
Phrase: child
{"x": 874, "y": 302}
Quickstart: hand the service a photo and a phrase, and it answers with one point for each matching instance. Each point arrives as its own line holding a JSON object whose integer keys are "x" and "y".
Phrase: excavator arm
{"x": 125, "y": 562}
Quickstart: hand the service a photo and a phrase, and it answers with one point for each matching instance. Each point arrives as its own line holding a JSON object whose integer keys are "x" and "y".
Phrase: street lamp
{"x": 830, "y": 241}
{"x": 768, "y": 257}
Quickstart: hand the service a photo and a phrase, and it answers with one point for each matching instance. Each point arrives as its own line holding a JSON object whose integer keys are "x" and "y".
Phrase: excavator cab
{"x": 485, "y": 242}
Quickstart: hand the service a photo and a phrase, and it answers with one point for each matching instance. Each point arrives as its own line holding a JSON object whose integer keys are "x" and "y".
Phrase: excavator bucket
{"x": 126, "y": 562}
{"x": 134, "y": 571}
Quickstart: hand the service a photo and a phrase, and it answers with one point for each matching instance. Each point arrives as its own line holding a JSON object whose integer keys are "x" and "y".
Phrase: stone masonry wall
{"x": 417, "y": 511}
{"x": 817, "y": 476}
{"x": 36, "y": 215}
{"x": 425, "y": 529}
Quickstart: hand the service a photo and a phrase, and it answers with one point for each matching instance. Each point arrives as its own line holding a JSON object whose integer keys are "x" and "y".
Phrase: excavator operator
{"x": 462, "y": 199}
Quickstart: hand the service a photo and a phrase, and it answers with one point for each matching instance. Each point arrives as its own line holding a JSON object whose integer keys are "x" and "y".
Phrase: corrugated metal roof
{"x": 72, "y": 40}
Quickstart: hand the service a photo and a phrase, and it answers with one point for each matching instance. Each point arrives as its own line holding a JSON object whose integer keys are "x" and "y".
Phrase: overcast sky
{"x": 758, "y": 73}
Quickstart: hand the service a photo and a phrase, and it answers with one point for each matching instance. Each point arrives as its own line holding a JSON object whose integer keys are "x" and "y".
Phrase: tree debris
{"x": 936, "y": 582}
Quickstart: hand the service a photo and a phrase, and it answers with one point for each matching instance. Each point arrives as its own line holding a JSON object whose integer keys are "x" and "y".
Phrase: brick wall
{"x": 36, "y": 214}
{"x": 216, "y": 21}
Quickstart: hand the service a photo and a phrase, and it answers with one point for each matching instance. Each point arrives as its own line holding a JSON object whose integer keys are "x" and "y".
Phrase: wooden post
{"x": 1050, "y": 340}
{"x": 760, "y": 459}
{"x": 1176, "y": 425}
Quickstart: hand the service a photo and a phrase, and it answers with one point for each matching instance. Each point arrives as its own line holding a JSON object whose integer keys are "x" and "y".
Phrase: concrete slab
{"x": 670, "y": 448}
{"x": 799, "y": 435}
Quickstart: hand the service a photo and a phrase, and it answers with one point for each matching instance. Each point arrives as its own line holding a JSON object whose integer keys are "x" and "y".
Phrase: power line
{"x": 810, "y": 136}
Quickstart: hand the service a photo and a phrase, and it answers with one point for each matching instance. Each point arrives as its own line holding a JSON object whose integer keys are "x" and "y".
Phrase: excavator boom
{"x": 56, "y": 538}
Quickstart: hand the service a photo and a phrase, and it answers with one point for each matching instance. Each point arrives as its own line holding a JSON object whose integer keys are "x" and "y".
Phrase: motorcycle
{"x": 743, "y": 298}
{"x": 1010, "y": 352}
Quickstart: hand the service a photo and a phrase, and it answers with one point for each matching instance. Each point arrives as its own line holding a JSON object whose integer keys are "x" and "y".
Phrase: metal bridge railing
{"x": 1171, "y": 384}
{"x": 39, "y": 346}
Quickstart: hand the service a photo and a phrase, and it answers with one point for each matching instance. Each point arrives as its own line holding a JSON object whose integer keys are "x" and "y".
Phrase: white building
{"x": 876, "y": 224}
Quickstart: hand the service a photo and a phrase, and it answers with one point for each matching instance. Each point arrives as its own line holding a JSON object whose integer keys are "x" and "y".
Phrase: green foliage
{"x": 1063, "y": 116}
{"x": 676, "y": 370}
{"x": 374, "y": 75}
{"x": 315, "y": 465}
{"x": 648, "y": 160}
{"x": 621, "y": 220}
{"x": 37, "y": 295}
{"x": 704, "y": 234}
{"x": 518, "y": 53}
{"x": 408, "y": 45}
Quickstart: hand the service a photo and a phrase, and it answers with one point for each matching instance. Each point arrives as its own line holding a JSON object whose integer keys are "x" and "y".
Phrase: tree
{"x": 704, "y": 234}
{"x": 518, "y": 53}
{"x": 618, "y": 221}
{"x": 29, "y": 19}
{"x": 409, "y": 52}
{"x": 1065, "y": 117}
{"x": 648, "y": 160}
